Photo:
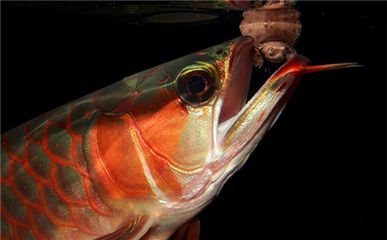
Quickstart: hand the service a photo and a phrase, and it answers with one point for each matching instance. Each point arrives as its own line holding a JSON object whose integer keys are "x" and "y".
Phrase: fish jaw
{"x": 238, "y": 135}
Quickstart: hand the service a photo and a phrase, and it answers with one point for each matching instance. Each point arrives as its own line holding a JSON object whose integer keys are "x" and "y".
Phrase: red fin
{"x": 188, "y": 231}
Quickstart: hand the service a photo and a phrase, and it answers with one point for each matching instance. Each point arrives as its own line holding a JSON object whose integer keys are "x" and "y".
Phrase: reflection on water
{"x": 136, "y": 12}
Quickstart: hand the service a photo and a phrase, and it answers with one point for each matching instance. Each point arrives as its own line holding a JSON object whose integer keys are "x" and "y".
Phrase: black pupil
{"x": 197, "y": 84}
{"x": 196, "y": 87}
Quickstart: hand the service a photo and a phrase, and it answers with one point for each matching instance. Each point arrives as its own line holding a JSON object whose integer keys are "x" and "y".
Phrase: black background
{"x": 318, "y": 174}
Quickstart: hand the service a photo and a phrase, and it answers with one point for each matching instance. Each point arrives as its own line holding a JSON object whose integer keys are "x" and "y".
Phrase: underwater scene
{"x": 159, "y": 120}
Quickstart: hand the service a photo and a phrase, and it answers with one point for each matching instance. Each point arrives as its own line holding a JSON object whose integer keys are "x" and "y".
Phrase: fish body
{"x": 139, "y": 158}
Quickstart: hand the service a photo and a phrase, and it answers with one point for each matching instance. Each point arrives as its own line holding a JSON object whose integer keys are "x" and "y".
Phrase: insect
{"x": 275, "y": 27}
{"x": 139, "y": 158}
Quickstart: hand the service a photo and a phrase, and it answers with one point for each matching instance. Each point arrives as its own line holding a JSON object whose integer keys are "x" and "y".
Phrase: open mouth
{"x": 242, "y": 119}
{"x": 242, "y": 122}
{"x": 240, "y": 76}
{"x": 238, "y": 86}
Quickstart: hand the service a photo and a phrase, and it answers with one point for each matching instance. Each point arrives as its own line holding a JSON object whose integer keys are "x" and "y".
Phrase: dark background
{"x": 318, "y": 174}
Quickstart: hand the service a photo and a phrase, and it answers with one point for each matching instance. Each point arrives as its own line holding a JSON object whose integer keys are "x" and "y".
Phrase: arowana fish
{"x": 139, "y": 158}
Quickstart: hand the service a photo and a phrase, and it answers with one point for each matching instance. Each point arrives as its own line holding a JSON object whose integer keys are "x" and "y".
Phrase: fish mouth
{"x": 238, "y": 85}
{"x": 239, "y": 81}
{"x": 242, "y": 121}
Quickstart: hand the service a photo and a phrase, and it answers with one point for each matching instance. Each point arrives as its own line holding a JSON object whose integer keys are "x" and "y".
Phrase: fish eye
{"x": 196, "y": 87}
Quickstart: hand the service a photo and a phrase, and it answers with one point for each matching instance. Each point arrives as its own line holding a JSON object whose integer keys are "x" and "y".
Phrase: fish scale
{"x": 44, "y": 179}
{"x": 47, "y": 189}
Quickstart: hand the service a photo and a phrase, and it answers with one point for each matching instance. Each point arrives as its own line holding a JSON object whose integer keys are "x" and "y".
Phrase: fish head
{"x": 194, "y": 123}
{"x": 194, "y": 115}
{"x": 180, "y": 104}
